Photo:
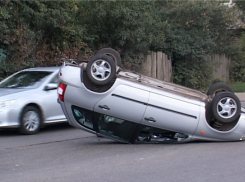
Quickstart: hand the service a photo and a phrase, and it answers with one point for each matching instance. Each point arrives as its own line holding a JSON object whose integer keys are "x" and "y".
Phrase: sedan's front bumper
{"x": 9, "y": 118}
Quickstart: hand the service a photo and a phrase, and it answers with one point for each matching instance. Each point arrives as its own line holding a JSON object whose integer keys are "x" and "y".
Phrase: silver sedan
{"x": 28, "y": 100}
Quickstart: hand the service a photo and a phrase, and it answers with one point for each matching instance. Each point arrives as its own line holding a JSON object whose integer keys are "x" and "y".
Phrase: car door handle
{"x": 104, "y": 107}
{"x": 150, "y": 119}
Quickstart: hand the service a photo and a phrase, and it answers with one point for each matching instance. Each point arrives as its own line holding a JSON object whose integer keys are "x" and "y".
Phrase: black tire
{"x": 101, "y": 69}
{"x": 219, "y": 87}
{"x": 113, "y": 54}
{"x": 30, "y": 120}
{"x": 226, "y": 107}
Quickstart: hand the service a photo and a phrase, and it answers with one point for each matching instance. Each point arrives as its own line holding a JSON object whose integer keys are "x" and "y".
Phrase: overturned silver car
{"x": 100, "y": 97}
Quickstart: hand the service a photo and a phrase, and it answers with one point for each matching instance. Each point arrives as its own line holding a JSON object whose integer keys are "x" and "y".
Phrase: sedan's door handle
{"x": 150, "y": 119}
{"x": 104, "y": 107}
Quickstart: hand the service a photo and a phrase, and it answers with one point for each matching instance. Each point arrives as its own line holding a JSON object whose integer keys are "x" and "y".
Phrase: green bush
{"x": 238, "y": 60}
{"x": 194, "y": 30}
{"x": 37, "y": 33}
{"x": 238, "y": 86}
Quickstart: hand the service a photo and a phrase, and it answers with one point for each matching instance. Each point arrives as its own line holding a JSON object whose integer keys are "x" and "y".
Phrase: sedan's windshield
{"x": 25, "y": 79}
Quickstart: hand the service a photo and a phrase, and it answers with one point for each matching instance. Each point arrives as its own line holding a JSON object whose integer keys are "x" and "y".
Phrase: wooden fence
{"x": 222, "y": 66}
{"x": 158, "y": 65}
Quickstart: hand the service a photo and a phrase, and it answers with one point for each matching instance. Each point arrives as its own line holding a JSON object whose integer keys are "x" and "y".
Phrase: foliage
{"x": 238, "y": 86}
{"x": 240, "y": 4}
{"x": 218, "y": 80}
{"x": 128, "y": 26}
{"x": 238, "y": 60}
{"x": 3, "y": 54}
{"x": 193, "y": 74}
{"x": 37, "y": 33}
{"x": 188, "y": 31}
{"x": 194, "y": 30}
{"x": 237, "y": 53}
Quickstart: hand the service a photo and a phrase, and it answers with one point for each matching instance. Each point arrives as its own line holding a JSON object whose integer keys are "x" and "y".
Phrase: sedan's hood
{"x": 8, "y": 91}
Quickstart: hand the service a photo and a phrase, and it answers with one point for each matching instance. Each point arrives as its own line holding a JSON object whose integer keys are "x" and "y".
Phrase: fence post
{"x": 159, "y": 66}
{"x": 153, "y": 64}
{"x": 146, "y": 66}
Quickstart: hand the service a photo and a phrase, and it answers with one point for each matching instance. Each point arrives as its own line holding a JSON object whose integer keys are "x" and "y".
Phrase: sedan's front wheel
{"x": 30, "y": 120}
{"x": 226, "y": 107}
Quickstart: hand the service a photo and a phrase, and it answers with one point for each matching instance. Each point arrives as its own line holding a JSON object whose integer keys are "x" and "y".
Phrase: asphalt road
{"x": 62, "y": 153}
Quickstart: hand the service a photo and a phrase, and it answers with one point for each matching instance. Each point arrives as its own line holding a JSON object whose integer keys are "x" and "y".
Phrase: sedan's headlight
{"x": 7, "y": 103}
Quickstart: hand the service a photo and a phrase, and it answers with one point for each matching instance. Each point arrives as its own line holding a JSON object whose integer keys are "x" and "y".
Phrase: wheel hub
{"x": 31, "y": 121}
{"x": 101, "y": 70}
{"x": 226, "y": 107}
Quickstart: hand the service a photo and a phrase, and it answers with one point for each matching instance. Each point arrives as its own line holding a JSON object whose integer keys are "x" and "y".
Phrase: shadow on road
{"x": 45, "y": 129}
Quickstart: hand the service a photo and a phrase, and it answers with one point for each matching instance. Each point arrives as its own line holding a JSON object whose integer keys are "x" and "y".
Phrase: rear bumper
{"x": 72, "y": 120}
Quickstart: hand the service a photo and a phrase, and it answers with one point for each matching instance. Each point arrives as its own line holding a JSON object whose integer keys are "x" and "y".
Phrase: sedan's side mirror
{"x": 51, "y": 86}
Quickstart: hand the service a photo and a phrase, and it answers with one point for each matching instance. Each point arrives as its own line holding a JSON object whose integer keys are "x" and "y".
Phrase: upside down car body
{"x": 98, "y": 96}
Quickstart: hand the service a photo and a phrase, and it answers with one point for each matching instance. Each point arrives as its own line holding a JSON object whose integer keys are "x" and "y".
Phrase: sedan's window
{"x": 55, "y": 79}
{"x": 25, "y": 79}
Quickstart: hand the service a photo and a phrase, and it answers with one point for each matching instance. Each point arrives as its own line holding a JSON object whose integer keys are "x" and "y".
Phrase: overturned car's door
{"x": 171, "y": 113}
{"x": 124, "y": 102}
{"x": 119, "y": 113}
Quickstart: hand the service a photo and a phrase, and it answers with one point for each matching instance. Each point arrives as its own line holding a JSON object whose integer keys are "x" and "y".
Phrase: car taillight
{"x": 61, "y": 91}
